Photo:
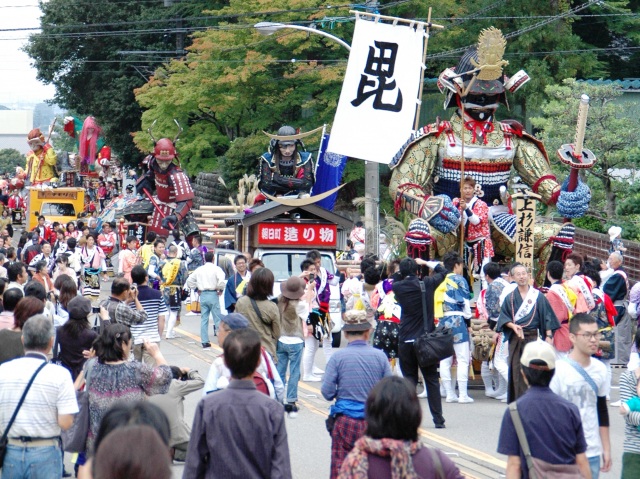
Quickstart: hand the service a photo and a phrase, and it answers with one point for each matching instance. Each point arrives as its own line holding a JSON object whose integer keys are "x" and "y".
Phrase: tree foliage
{"x": 611, "y": 135}
{"x": 9, "y": 159}
{"x": 234, "y": 83}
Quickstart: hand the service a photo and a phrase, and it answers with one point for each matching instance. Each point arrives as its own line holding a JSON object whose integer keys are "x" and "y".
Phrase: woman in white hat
{"x": 615, "y": 243}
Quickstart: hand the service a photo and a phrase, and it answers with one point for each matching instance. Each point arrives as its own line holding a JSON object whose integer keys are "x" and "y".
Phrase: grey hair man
{"x": 47, "y": 409}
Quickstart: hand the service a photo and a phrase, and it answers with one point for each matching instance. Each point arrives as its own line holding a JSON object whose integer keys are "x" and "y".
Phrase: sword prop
{"x": 575, "y": 155}
{"x": 153, "y": 202}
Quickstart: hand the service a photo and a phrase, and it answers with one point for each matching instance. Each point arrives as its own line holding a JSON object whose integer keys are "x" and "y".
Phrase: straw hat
{"x": 614, "y": 232}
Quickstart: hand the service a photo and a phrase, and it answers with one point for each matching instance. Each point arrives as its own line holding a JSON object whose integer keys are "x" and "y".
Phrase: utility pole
{"x": 372, "y": 189}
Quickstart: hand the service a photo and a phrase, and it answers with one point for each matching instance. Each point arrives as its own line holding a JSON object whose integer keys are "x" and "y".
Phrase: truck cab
{"x": 55, "y": 204}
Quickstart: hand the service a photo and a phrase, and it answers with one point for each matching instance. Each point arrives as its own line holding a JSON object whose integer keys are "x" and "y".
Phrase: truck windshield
{"x": 285, "y": 264}
{"x": 57, "y": 209}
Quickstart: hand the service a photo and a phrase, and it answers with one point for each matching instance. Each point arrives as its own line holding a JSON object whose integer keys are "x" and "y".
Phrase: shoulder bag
{"x": 257, "y": 310}
{"x": 432, "y": 347}
{"x": 5, "y": 436}
{"x": 539, "y": 469}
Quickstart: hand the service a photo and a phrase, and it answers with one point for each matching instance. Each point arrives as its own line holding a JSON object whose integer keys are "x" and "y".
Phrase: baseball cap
{"x": 235, "y": 321}
{"x": 538, "y": 351}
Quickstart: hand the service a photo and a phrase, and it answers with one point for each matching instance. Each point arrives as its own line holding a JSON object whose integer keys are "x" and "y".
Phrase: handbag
{"x": 74, "y": 439}
{"x": 431, "y": 348}
{"x": 5, "y": 435}
{"x": 539, "y": 469}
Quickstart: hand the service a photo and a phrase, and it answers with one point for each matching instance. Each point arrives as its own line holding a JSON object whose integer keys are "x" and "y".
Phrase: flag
{"x": 329, "y": 171}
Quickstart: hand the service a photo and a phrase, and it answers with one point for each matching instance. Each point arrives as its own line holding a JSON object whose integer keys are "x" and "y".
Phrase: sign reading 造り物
{"x": 298, "y": 234}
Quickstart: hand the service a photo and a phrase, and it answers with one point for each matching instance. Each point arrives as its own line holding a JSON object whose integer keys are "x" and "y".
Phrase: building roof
{"x": 272, "y": 209}
{"x": 626, "y": 84}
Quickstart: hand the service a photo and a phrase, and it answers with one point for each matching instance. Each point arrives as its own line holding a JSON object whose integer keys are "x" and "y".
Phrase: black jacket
{"x": 408, "y": 294}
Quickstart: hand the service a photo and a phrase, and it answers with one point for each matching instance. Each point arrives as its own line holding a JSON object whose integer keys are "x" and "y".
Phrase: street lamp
{"x": 371, "y": 168}
{"x": 269, "y": 28}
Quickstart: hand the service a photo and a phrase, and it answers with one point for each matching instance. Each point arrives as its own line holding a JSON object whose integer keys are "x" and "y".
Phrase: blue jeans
{"x": 32, "y": 462}
{"x": 209, "y": 304}
{"x": 292, "y": 354}
{"x": 594, "y": 464}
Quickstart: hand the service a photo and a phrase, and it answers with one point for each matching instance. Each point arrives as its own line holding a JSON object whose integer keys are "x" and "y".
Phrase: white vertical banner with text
{"x": 378, "y": 101}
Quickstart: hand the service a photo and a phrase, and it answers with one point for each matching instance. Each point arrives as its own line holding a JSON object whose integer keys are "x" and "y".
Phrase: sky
{"x": 18, "y": 84}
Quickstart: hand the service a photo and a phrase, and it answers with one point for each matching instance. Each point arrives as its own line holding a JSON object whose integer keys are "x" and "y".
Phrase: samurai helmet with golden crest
{"x": 478, "y": 81}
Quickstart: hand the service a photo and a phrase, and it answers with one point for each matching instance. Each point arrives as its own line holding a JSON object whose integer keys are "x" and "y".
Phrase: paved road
{"x": 470, "y": 438}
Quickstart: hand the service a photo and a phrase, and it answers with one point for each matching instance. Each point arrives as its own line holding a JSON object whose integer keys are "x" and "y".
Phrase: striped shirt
{"x": 353, "y": 371}
{"x": 51, "y": 394}
{"x": 631, "y": 433}
{"x": 153, "y": 303}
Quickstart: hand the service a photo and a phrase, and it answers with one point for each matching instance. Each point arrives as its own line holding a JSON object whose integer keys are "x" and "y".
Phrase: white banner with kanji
{"x": 378, "y": 101}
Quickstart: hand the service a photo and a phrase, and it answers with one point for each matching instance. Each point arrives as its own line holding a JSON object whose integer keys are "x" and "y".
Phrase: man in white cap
{"x": 551, "y": 424}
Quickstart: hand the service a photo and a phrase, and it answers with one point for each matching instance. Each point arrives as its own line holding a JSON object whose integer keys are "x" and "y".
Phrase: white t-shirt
{"x": 569, "y": 383}
{"x": 51, "y": 394}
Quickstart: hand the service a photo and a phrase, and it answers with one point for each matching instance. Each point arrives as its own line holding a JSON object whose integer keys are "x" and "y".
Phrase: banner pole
{"x": 422, "y": 69}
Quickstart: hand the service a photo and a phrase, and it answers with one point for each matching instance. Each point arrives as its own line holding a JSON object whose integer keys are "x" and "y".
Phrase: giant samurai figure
{"x": 174, "y": 195}
{"x": 285, "y": 170}
{"x": 497, "y": 155}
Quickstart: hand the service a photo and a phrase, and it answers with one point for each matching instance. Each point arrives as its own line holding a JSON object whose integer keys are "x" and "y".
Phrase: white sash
{"x": 527, "y": 305}
{"x": 580, "y": 283}
{"x": 560, "y": 291}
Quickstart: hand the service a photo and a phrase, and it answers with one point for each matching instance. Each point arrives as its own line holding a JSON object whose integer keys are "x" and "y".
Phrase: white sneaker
{"x": 465, "y": 400}
{"x": 491, "y": 393}
{"x": 452, "y": 398}
{"x": 312, "y": 379}
{"x": 503, "y": 400}
{"x": 170, "y": 336}
{"x": 191, "y": 313}
{"x": 615, "y": 403}
{"x": 423, "y": 394}
{"x": 317, "y": 371}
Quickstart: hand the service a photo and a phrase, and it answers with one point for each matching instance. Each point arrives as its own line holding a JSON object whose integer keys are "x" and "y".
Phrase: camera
{"x": 312, "y": 276}
{"x": 95, "y": 309}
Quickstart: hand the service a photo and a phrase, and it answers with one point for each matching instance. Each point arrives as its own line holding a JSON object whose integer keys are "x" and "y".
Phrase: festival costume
{"x": 108, "y": 242}
{"x": 452, "y": 309}
{"x": 562, "y": 300}
{"x": 174, "y": 275}
{"x": 92, "y": 265}
{"x": 534, "y": 314}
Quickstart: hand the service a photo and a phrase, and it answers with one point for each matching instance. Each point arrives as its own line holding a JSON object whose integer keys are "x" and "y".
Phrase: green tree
{"x": 78, "y": 50}
{"x": 234, "y": 83}
{"x": 9, "y": 159}
{"x": 611, "y": 135}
